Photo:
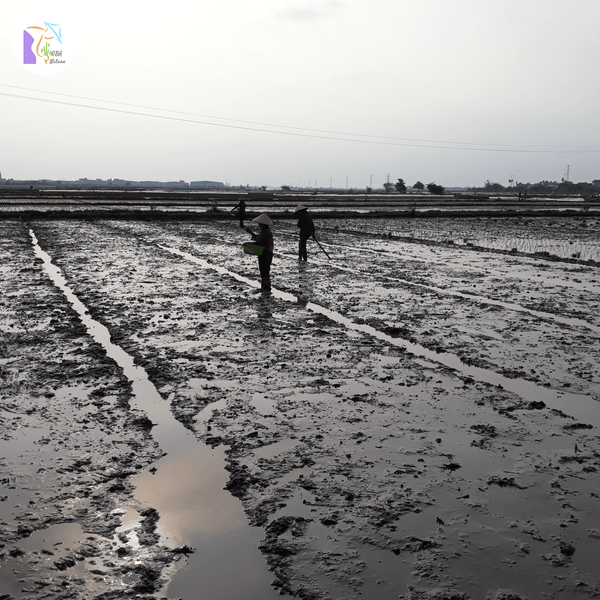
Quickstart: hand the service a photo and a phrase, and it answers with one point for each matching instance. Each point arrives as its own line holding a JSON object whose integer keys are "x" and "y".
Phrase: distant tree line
{"x": 542, "y": 187}
{"x": 400, "y": 187}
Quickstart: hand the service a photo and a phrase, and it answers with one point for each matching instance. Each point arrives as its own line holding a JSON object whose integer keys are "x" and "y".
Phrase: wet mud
{"x": 403, "y": 420}
{"x": 69, "y": 443}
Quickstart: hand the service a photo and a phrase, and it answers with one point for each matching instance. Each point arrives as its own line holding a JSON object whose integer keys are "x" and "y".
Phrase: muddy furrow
{"x": 481, "y": 332}
{"x": 368, "y": 470}
{"x": 593, "y": 288}
{"x": 581, "y": 406}
{"x": 154, "y": 488}
{"x": 70, "y": 441}
{"x": 573, "y": 239}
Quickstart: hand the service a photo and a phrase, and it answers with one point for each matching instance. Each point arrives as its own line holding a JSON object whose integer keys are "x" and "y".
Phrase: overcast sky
{"x": 291, "y": 92}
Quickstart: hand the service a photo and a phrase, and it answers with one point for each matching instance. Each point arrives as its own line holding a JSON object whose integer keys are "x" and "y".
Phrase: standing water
{"x": 581, "y": 406}
{"x": 186, "y": 489}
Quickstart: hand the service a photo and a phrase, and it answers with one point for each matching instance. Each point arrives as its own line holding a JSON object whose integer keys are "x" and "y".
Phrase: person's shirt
{"x": 265, "y": 239}
{"x": 306, "y": 224}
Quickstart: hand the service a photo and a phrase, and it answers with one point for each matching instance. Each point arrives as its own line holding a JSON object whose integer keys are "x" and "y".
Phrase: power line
{"x": 276, "y": 125}
{"x": 261, "y": 130}
{"x": 280, "y": 126}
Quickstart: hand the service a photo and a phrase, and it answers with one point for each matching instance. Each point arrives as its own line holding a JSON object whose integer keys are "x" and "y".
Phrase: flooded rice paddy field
{"x": 402, "y": 420}
{"x": 575, "y": 237}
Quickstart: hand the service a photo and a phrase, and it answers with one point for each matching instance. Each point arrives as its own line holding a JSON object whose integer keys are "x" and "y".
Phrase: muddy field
{"x": 416, "y": 417}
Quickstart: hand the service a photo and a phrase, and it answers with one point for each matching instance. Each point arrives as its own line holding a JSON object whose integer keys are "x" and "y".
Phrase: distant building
{"x": 176, "y": 184}
{"x": 159, "y": 184}
{"x": 206, "y": 185}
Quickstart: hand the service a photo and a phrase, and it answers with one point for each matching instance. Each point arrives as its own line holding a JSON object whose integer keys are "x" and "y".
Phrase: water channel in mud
{"x": 186, "y": 487}
{"x": 580, "y": 406}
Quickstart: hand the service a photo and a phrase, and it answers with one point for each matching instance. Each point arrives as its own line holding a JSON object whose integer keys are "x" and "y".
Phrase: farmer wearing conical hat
{"x": 307, "y": 229}
{"x": 264, "y": 238}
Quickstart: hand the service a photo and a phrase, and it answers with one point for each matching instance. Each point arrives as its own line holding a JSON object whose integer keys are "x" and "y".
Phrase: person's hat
{"x": 263, "y": 219}
{"x": 300, "y": 209}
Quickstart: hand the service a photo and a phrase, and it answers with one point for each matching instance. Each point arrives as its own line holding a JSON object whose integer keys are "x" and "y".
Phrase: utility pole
{"x": 346, "y": 183}
{"x": 370, "y": 181}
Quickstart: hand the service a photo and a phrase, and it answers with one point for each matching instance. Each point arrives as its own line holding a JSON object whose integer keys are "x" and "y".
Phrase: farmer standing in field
{"x": 264, "y": 238}
{"x": 241, "y": 208}
{"x": 307, "y": 229}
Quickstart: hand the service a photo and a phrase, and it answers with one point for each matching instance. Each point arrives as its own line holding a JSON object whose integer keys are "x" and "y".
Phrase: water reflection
{"x": 306, "y": 283}
{"x": 581, "y": 406}
{"x": 186, "y": 487}
{"x": 264, "y": 315}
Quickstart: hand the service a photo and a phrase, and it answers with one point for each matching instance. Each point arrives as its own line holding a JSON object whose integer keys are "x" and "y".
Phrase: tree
{"x": 493, "y": 187}
{"x": 400, "y": 186}
{"x": 388, "y": 187}
{"x": 436, "y": 189}
{"x": 419, "y": 186}
{"x": 286, "y": 188}
{"x": 368, "y": 190}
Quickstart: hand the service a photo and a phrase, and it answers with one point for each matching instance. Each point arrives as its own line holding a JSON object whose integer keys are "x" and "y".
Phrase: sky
{"x": 340, "y": 93}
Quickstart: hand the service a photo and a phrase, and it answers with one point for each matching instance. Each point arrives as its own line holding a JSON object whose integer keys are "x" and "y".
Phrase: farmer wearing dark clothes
{"x": 241, "y": 208}
{"x": 264, "y": 238}
{"x": 307, "y": 229}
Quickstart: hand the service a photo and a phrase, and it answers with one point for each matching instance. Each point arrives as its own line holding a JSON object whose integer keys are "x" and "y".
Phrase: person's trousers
{"x": 302, "y": 252}
{"x": 264, "y": 265}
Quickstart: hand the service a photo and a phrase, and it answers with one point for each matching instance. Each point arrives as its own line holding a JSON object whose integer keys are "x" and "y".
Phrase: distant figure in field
{"x": 307, "y": 229}
{"x": 241, "y": 208}
{"x": 264, "y": 238}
